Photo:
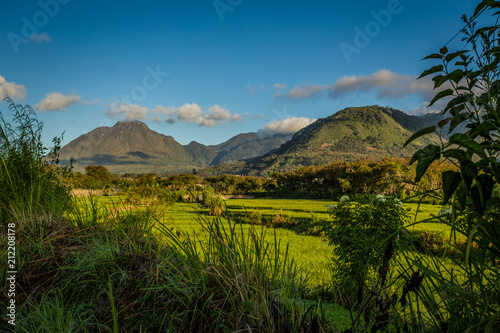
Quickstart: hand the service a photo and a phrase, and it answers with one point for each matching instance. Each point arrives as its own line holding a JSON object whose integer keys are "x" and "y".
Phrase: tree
{"x": 98, "y": 176}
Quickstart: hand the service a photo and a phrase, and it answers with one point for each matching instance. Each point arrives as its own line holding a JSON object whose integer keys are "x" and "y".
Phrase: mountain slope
{"x": 127, "y": 146}
{"x": 247, "y": 145}
{"x": 133, "y": 147}
{"x": 347, "y": 135}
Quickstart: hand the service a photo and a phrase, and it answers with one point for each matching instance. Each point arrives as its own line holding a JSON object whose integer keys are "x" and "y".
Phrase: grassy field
{"x": 312, "y": 254}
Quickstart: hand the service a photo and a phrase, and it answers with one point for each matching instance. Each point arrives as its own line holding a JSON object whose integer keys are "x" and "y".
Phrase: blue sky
{"x": 208, "y": 70}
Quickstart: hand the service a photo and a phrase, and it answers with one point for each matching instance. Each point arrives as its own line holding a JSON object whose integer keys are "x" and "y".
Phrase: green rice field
{"x": 312, "y": 253}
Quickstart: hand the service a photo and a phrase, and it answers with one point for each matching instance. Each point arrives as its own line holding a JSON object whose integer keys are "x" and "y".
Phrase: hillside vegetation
{"x": 348, "y": 135}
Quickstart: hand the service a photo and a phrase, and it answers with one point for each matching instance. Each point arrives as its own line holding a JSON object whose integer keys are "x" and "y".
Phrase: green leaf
{"x": 456, "y": 76}
{"x": 425, "y": 157}
{"x": 451, "y": 180}
{"x": 451, "y": 56}
{"x": 459, "y": 100}
{"x": 420, "y": 133}
{"x": 481, "y": 192}
{"x": 443, "y": 122}
{"x": 432, "y": 70}
{"x": 440, "y": 95}
{"x": 461, "y": 197}
{"x": 480, "y": 7}
{"x": 457, "y": 154}
{"x": 468, "y": 171}
{"x": 484, "y": 129}
{"x": 457, "y": 120}
{"x": 469, "y": 143}
{"x": 433, "y": 56}
{"x": 438, "y": 80}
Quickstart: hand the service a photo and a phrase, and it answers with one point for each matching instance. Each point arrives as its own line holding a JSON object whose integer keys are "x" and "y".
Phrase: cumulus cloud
{"x": 12, "y": 89}
{"x": 163, "y": 111}
{"x": 128, "y": 112}
{"x": 213, "y": 116}
{"x": 41, "y": 38}
{"x": 384, "y": 83}
{"x": 285, "y": 126}
{"x": 306, "y": 91}
{"x": 189, "y": 112}
{"x": 54, "y": 101}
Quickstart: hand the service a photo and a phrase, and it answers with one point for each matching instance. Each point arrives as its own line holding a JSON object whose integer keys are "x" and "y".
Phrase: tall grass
{"x": 28, "y": 180}
{"x": 253, "y": 284}
{"x": 461, "y": 291}
{"x": 108, "y": 275}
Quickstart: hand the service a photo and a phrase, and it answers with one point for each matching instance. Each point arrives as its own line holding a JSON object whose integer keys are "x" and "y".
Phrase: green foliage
{"x": 148, "y": 179}
{"x": 98, "y": 177}
{"x": 390, "y": 176}
{"x": 471, "y": 77}
{"x": 213, "y": 201}
{"x": 360, "y": 232}
{"x": 231, "y": 184}
{"x": 30, "y": 181}
{"x": 150, "y": 196}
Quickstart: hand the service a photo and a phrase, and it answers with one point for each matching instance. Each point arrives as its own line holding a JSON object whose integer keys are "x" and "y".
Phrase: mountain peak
{"x": 129, "y": 122}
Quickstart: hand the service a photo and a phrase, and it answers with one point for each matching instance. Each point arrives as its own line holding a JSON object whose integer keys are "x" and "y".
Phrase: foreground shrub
{"x": 470, "y": 298}
{"x": 360, "y": 233}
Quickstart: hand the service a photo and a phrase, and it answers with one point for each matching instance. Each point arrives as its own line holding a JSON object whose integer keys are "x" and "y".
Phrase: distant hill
{"x": 245, "y": 146}
{"x": 134, "y": 147}
{"x": 127, "y": 147}
{"x": 347, "y": 135}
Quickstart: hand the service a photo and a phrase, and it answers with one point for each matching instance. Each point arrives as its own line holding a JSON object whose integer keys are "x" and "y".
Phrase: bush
{"x": 214, "y": 202}
{"x": 150, "y": 195}
{"x": 360, "y": 232}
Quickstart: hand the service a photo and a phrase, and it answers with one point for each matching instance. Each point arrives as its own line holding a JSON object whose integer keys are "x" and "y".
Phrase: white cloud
{"x": 191, "y": 113}
{"x": 306, "y": 91}
{"x": 55, "y": 101}
{"x": 41, "y": 38}
{"x": 163, "y": 111}
{"x": 285, "y": 126}
{"x": 12, "y": 89}
{"x": 384, "y": 83}
{"x": 128, "y": 112}
{"x": 279, "y": 86}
